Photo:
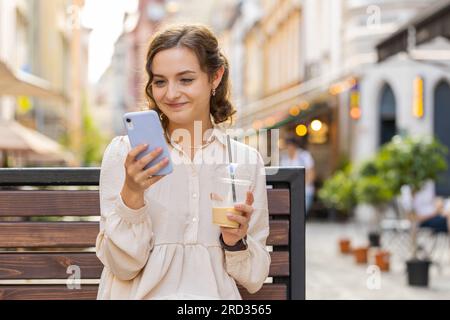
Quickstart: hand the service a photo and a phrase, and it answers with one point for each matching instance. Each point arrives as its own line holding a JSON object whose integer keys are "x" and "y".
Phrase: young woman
{"x": 157, "y": 239}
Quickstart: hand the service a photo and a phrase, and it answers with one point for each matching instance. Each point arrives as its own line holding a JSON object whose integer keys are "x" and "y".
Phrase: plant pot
{"x": 374, "y": 239}
{"x": 418, "y": 272}
{"x": 382, "y": 260}
{"x": 344, "y": 246}
{"x": 360, "y": 254}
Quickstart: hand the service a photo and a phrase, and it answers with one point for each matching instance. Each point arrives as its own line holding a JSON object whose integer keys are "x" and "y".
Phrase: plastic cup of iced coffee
{"x": 226, "y": 193}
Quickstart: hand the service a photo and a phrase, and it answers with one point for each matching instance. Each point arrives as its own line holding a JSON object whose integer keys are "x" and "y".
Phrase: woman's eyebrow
{"x": 178, "y": 74}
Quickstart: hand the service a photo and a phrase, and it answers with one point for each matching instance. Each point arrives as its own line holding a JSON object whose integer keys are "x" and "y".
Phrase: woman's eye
{"x": 159, "y": 83}
{"x": 187, "y": 81}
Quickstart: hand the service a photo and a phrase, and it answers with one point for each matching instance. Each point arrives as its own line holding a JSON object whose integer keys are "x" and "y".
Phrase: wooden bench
{"x": 35, "y": 255}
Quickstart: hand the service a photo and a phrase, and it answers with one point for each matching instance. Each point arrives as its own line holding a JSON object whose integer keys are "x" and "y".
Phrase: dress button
{"x": 194, "y": 195}
{"x": 194, "y": 220}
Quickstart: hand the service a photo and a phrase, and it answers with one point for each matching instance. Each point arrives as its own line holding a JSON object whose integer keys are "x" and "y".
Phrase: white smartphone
{"x": 144, "y": 127}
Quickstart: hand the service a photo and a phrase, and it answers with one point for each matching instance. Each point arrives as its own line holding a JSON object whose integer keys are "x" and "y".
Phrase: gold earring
{"x": 214, "y": 92}
{"x": 161, "y": 116}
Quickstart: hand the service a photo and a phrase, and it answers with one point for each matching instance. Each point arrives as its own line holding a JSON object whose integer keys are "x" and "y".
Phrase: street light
{"x": 294, "y": 111}
{"x": 301, "y": 130}
{"x": 316, "y": 125}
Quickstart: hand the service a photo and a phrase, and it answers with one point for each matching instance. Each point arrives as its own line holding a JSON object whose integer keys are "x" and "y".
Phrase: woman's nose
{"x": 172, "y": 91}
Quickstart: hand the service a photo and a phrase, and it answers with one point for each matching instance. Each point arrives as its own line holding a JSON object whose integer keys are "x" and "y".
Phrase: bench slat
{"x": 278, "y": 201}
{"x": 91, "y": 176}
{"x": 270, "y": 291}
{"x": 86, "y": 203}
{"x": 84, "y": 234}
{"x": 48, "y": 234}
{"x": 50, "y": 176}
{"x": 47, "y": 292}
{"x": 89, "y": 292}
{"x": 19, "y": 266}
{"x": 279, "y": 233}
{"x": 49, "y": 203}
{"x": 279, "y": 265}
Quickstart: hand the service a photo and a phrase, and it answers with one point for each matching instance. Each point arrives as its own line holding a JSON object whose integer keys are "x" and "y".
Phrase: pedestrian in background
{"x": 296, "y": 154}
{"x": 430, "y": 211}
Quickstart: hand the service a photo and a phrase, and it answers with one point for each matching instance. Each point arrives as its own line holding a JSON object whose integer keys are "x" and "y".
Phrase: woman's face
{"x": 181, "y": 90}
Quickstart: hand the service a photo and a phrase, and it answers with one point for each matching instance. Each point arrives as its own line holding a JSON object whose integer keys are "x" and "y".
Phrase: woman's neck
{"x": 196, "y": 132}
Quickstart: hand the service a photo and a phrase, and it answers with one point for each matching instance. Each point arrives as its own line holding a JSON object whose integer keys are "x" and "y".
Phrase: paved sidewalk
{"x": 331, "y": 275}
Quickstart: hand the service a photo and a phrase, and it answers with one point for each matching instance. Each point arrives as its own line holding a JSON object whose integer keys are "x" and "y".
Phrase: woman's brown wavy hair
{"x": 204, "y": 44}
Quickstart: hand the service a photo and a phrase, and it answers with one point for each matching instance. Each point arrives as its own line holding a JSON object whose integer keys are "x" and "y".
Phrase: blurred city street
{"x": 332, "y": 275}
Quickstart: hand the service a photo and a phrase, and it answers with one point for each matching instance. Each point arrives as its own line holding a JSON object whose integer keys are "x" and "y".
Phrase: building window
{"x": 442, "y": 131}
{"x": 388, "y": 125}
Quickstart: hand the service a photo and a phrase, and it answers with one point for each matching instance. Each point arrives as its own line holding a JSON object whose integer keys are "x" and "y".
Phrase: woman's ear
{"x": 218, "y": 77}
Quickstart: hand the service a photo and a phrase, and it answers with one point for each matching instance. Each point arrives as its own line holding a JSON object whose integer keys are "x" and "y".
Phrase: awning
{"x": 24, "y": 84}
{"x": 431, "y": 23}
{"x": 14, "y": 137}
{"x": 277, "y": 106}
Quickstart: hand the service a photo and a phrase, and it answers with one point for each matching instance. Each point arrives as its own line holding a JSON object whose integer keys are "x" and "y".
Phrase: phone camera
{"x": 128, "y": 120}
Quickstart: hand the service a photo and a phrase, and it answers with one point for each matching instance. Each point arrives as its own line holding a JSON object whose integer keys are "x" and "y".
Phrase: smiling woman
{"x": 158, "y": 239}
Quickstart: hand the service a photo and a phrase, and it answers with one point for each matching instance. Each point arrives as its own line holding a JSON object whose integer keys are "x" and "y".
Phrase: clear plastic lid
{"x": 239, "y": 182}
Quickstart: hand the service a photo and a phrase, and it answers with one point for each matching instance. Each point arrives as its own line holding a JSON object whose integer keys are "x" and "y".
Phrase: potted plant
{"x": 360, "y": 254}
{"x": 337, "y": 193}
{"x": 345, "y": 245}
{"x": 372, "y": 189}
{"x": 412, "y": 161}
{"x": 382, "y": 260}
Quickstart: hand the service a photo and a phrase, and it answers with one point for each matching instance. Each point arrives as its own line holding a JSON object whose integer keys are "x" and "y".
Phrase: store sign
{"x": 24, "y": 105}
{"x": 355, "y": 107}
{"x": 418, "y": 97}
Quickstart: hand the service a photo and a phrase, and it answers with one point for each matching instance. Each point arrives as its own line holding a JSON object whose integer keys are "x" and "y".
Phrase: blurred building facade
{"x": 276, "y": 49}
{"x": 379, "y": 117}
{"x": 17, "y": 43}
{"x": 37, "y": 39}
{"x": 61, "y": 58}
{"x": 414, "y": 81}
{"x": 122, "y": 88}
{"x": 298, "y": 61}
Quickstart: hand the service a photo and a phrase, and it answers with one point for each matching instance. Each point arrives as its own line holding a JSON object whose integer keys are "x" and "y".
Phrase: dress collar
{"x": 217, "y": 133}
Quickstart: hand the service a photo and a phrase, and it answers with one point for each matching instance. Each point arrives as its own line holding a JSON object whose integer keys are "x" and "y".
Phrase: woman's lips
{"x": 176, "y": 105}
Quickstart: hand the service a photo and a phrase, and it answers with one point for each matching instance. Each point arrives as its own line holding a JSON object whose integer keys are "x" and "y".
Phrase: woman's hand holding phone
{"x": 137, "y": 180}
